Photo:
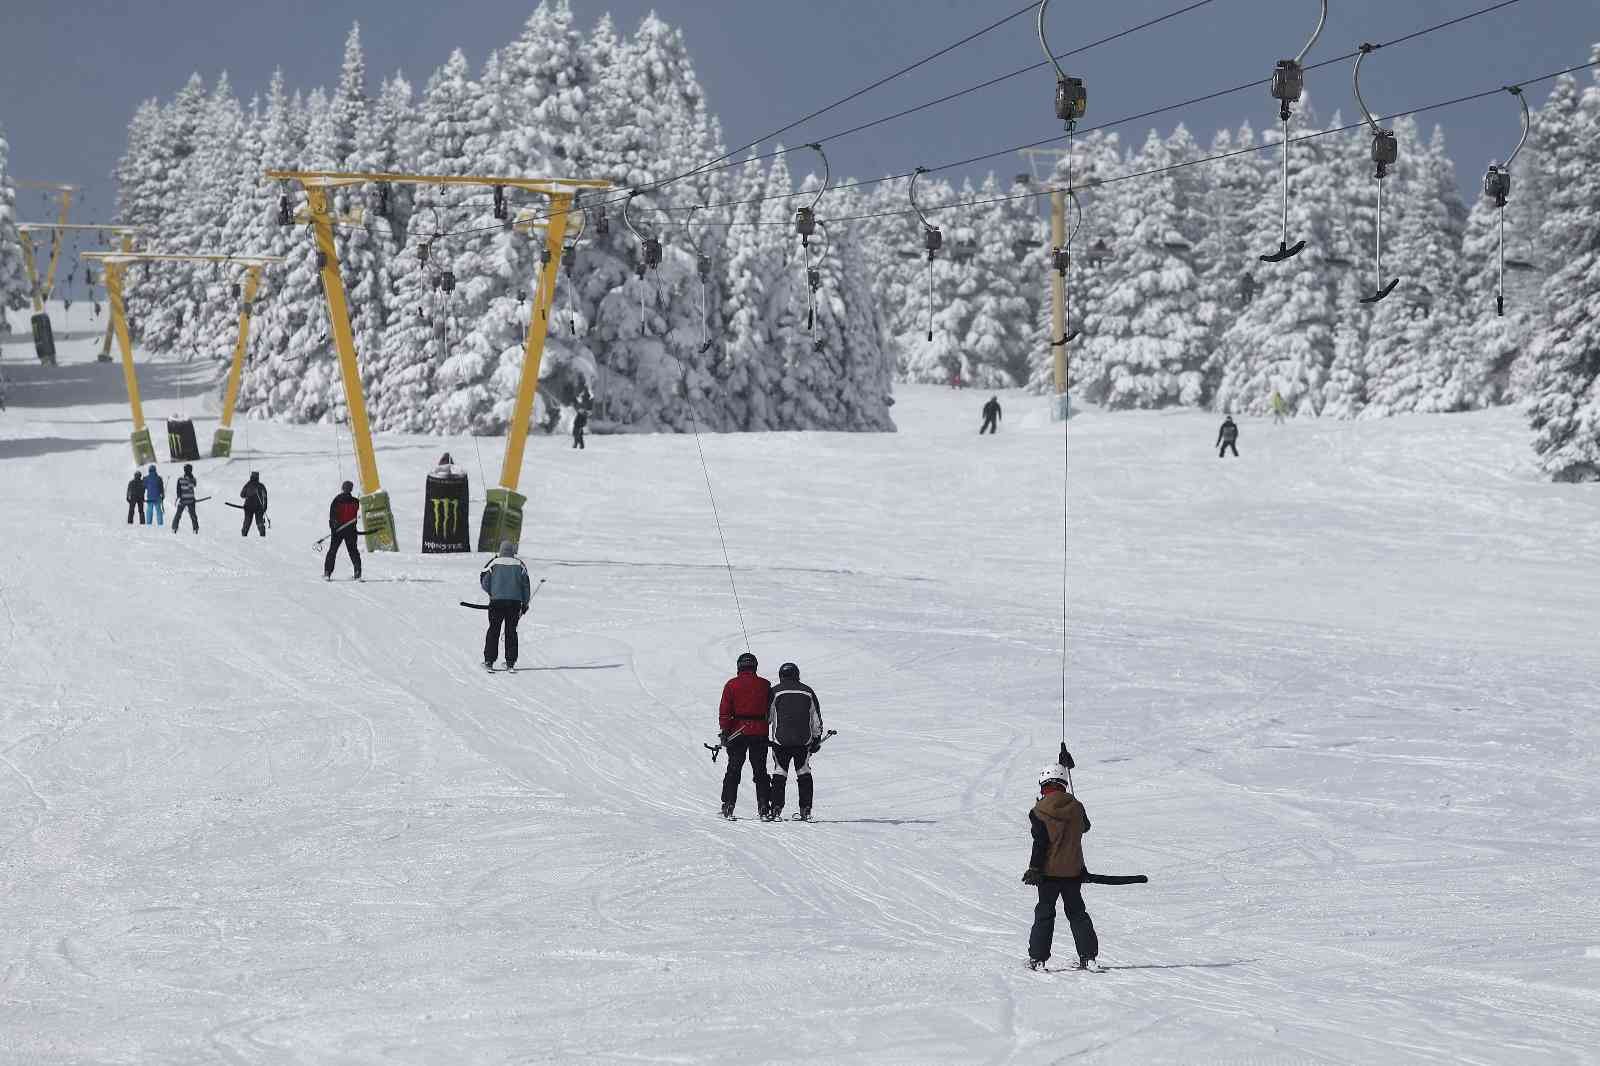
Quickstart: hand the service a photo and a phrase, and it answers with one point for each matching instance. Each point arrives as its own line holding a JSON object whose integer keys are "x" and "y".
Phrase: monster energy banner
{"x": 181, "y": 445}
{"x": 445, "y": 515}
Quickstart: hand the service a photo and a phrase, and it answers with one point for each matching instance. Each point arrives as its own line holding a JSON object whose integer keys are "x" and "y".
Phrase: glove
{"x": 722, "y": 737}
{"x": 814, "y": 747}
{"x": 1033, "y": 876}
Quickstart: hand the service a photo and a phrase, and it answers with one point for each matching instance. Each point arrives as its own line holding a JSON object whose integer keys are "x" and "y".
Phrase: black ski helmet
{"x": 746, "y": 661}
{"x": 788, "y": 672}
{"x": 187, "y": 469}
{"x": 347, "y": 486}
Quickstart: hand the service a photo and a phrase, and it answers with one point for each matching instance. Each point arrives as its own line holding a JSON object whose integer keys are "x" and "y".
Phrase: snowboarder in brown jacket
{"x": 1056, "y": 868}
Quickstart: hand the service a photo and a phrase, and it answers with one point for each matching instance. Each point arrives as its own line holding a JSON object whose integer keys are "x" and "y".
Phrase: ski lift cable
{"x": 1204, "y": 98}
{"x": 1165, "y": 109}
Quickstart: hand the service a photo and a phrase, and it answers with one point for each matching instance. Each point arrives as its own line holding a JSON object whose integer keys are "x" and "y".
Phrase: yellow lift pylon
{"x": 64, "y": 194}
{"x": 113, "y": 264}
{"x": 128, "y": 234}
{"x": 502, "y": 512}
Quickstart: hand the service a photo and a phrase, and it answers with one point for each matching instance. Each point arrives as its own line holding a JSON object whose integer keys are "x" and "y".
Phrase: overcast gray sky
{"x": 72, "y": 71}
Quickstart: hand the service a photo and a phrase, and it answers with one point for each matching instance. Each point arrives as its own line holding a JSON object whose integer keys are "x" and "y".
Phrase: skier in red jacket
{"x": 742, "y": 727}
{"x": 343, "y": 514}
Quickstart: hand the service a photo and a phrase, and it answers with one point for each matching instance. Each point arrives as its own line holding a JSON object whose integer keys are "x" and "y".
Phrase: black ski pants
{"x": 577, "y": 434}
{"x": 799, "y": 757}
{"x": 1069, "y": 890}
{"x": 988, "y": 426}
{"x": 1228, "y": 445}
{"x": 346, "y": 537}
{"x": 185, "y": 505}
{"x": 739, "y": 747}
{"x": 502, "y": 614}
{"x": 140, "y": 505}
{"x": 251, "y": 514}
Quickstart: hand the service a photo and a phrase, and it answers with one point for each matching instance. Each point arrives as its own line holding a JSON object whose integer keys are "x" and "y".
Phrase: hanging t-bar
{"x": 1497, "y": 187}
{"x": 805, "y": 218}
{"x": 1385, "y": 153}
{"x": 1060, "y": 261}
{"x": 932, "y": 241}
{"x": 1288, "y": 85}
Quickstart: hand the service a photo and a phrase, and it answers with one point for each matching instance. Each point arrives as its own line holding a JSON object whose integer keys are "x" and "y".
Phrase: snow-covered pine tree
{"x": 1149, "y": 344}
{"x": 1564, "y": 406}
{"x": 1227, "y": 254}
{"x": 1284, "y": 340}
{"x": 209, "y": 317}
{"x": 999, "y": 332}
{"x": 158, "y": 296}
{"x": 13, "y": 276}
{"x": 932, "y": 320}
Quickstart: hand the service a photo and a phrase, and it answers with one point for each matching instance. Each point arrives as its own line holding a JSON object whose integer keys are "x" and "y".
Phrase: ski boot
{"x": 773, "y": 814}
{"x": 804, "y": 815}
{"x": 1037, "y": 964}
{"x": 1091, "y": 965}
{"x": 727, "y": 812}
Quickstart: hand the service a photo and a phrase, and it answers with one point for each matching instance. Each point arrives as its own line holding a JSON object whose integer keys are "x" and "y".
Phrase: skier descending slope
{"x": 742, "y": 727}
{"x": 342, "y": 515}
{"x": 1228, "y": 437}
{"x": 254, "y": 495}
{"x": 991, "y": 417}
{"x": 505, "y": 579}
{"x": 1056, "y": 867}
{"x": 795, "y": 731}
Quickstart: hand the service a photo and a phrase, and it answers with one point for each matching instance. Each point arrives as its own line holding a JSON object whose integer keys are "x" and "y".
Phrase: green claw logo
{"x": 446, "y": 516}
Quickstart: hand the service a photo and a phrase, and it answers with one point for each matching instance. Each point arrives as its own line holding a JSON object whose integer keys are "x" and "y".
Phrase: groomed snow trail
{"x": 1336, "y": 697}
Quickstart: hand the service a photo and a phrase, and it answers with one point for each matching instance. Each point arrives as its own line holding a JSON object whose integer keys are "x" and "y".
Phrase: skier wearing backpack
{"x": 135, "y": 497}
{"x": 1055, "y": 866}
{"x": 185, "y": 490}
{"x": 794, "y": 729}
{"x": 254, "y": 495}
{"x": 155, "y": 492}
{"x": 342, "y": 515}
{"x": 742, "y": 727}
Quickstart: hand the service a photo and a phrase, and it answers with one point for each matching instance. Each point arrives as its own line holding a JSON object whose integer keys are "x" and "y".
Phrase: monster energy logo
{"x": 174, "y": 443}
{"x": 446, "y": 516}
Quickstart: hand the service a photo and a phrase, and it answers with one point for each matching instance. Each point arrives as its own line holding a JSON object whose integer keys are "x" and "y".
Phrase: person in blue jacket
{"x": 155, "y": 491}
{"x": 505, "y": 579}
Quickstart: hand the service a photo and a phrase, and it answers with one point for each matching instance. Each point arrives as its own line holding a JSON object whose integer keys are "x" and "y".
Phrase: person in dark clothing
{"x": 185, "y": 491}
{"x": 991, "y": 417}
{"x": 505, "y": 579}
{"x": 794, "y": 729}
{"x": 254, "y": 495}
{"x": 135, "y": 495}
{"x": 342, "y": 515}
{"x": 579, "y": 420}
{"x": 1055, "y": 866}
{"x": 742, "y": 726}
{"x": 1228, "y": 437}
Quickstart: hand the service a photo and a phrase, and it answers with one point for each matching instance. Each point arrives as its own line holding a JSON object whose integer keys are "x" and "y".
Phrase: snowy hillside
{"x": 1335, "y": 697}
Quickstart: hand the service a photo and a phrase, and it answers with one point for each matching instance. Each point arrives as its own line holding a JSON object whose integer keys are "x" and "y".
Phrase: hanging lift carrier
{"x": 1385, "y": 152}
{"x": 1497, "y": 187}
{"x": 1288, "y": 85}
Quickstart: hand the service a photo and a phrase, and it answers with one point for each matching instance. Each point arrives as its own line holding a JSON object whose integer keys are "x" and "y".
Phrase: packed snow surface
{"x": 1336, "y": 697}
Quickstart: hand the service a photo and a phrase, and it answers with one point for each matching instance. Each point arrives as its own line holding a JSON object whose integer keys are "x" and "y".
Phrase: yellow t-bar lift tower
{"x": 113, "y": 264}
{"x": 25, "y": 231}
{"x": 502, "y": 512}
{"x": 64, "y": 195}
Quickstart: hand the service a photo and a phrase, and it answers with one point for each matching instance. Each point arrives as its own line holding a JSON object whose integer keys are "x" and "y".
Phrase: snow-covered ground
{"x": 1337, "y": 698}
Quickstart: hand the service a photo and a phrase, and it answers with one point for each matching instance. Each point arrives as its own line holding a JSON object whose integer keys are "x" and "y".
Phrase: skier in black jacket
{"x": 1228, "y": 437}
{"x": 343, "y": 514}
{"x": 254, "y": 495}
{"x": 991, "y": 417}
{"x": 135, "y": 495}
{"x": 794, "y": 728}
{"x": 185, "y": 491}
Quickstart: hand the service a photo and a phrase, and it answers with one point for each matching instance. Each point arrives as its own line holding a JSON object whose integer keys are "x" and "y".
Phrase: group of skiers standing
{"x": 756, "y": 716}
{"x": 147, "y": 493}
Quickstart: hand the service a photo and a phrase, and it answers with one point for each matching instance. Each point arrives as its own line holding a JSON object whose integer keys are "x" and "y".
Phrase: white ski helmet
{"x": 1054, "y": 773}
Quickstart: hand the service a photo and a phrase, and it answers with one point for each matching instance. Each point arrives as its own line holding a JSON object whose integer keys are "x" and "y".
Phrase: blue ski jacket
{"x": 506, "y": 579}
{"x": 154, "y": 488}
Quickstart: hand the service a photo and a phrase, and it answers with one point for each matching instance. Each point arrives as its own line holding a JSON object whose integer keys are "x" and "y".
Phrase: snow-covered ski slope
{"x": 1337, "y": 698}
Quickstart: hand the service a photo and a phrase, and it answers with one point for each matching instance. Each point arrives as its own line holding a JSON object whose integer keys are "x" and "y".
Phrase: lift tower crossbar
{"x": 502, "y": 512}
{"x": 113, "y": 265}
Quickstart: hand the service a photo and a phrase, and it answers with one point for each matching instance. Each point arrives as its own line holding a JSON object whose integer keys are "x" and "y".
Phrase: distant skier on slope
{"x": 1280, "y": 410}
{"x": 185, "y": 490}
{"x": 991, "y": 417}
{"x": 155, "y": 491}
{"x": 580, "y": 417}
{"x": 342, "y": 515}
{"x": 254, "y": 495}
{"x": 135, "y": 497}
{"x": 1055, "y": 866}
{"x": 742, "y": 725}
{"x": 1228, "y": 437}
{"x": 794, "y": 728}
{"x": 505, "y": 579}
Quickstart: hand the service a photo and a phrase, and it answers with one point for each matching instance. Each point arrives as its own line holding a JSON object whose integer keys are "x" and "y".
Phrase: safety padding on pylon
{"x": 377, "y": 520}
{"x": 502, "y": 519}
{"x": 181, "y": 444}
